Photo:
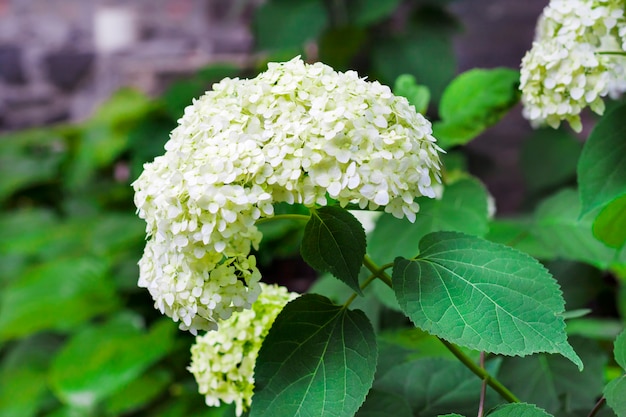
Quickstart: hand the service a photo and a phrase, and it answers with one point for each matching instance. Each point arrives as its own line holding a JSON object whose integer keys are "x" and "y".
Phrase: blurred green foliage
{"x": 78, "y": 338}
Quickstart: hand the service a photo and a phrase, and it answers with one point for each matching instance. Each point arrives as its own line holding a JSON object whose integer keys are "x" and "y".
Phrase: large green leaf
{"x": 98, "y": 361}
{"x": 602, "y": 164}
{"x": 384, "y": 404}
{"x": 55, "y": 296}
{"x": 317, "y": 360}
{"x": 558, "y": 226}
{"x": 615, "y": 394}
{"x": 518, "y": 410}
{"x": 334, "y": 241}
{"x": 462, "y": 208}
{"x": 482, "y": 295}
{"x": 426, "y": 385}
{"x": 610, "y": 224}
{"x": 472, "y": 102}
{"x": 280, "y": 24}
{"x": 553, "y": 383}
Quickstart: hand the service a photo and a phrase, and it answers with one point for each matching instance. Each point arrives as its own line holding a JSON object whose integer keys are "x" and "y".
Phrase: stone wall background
{"x": 60, "y": 58}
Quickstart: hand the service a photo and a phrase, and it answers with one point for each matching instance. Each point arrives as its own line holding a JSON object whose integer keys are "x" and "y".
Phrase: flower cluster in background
{"x": 223, "y": 361}
{"x": 575, "y": 61}
{"x": 297, "y": 133}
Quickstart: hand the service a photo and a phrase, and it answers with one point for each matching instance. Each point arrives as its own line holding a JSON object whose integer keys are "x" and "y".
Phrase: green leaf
{"x": 55, "y": 296}
{"x": 619, "y": 350}
{"x": 482, "y": 295}
{"x": 474, "y": 101}
{"x": 615, "y": 394}
{"x": 462, "y": 208}
{"x": 418, "y": 95}
{"x": 602, "y": 164}
{"x": 98, "y": 361}
{"x": 549, "y": 158}
{"x": 288, "y": 24}
{"x": 317, "y": 360}
{"x": 334, "y": 241}
{"x": 552, "y": 382}
{"x": 558, "y": 226}
{"x": 425, "y": 384}
{"x": 367, "y": 12}
{"x": 518, "y": 410}
{"x": 384, "y": 404}
{"x": 610, "y": 224}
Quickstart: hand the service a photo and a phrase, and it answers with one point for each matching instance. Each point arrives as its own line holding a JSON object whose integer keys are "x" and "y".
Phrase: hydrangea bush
{"x": 297, "y": 133}
{"x": 327, "y": 141}
{"x": 422, "y": 307}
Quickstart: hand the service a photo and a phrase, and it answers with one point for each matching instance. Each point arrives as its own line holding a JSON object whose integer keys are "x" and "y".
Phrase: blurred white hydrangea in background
{"x": 297, "y": 133}
{"x": 223, "y": 361}
{"x": 575, "y": 61}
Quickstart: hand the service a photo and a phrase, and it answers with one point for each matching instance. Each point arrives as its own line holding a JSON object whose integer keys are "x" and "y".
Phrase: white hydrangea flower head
{"x": 567, "y": 68}
{"x": 222, "y": 361}
{"x": 297, "y": 133}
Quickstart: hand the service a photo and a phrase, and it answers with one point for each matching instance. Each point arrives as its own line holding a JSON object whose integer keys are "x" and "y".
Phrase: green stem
{"x": 481, "y": 373}
{"x": 483, "y": 388}
{"x": 597, "y": 407}
{"x": 378, "y": 271}
{"x": 611, "y": 53}
{"x": 367, "y": 282}
{"x": 299, "y": 217}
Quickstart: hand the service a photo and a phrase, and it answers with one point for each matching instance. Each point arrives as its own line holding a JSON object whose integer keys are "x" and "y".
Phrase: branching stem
{"x": 597, "y": 407}
{"x": 481, "y": 373}
{"x": 378, "y": 271}
{"x": 367, "y": 282}
{"x": 483, "y": 388}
